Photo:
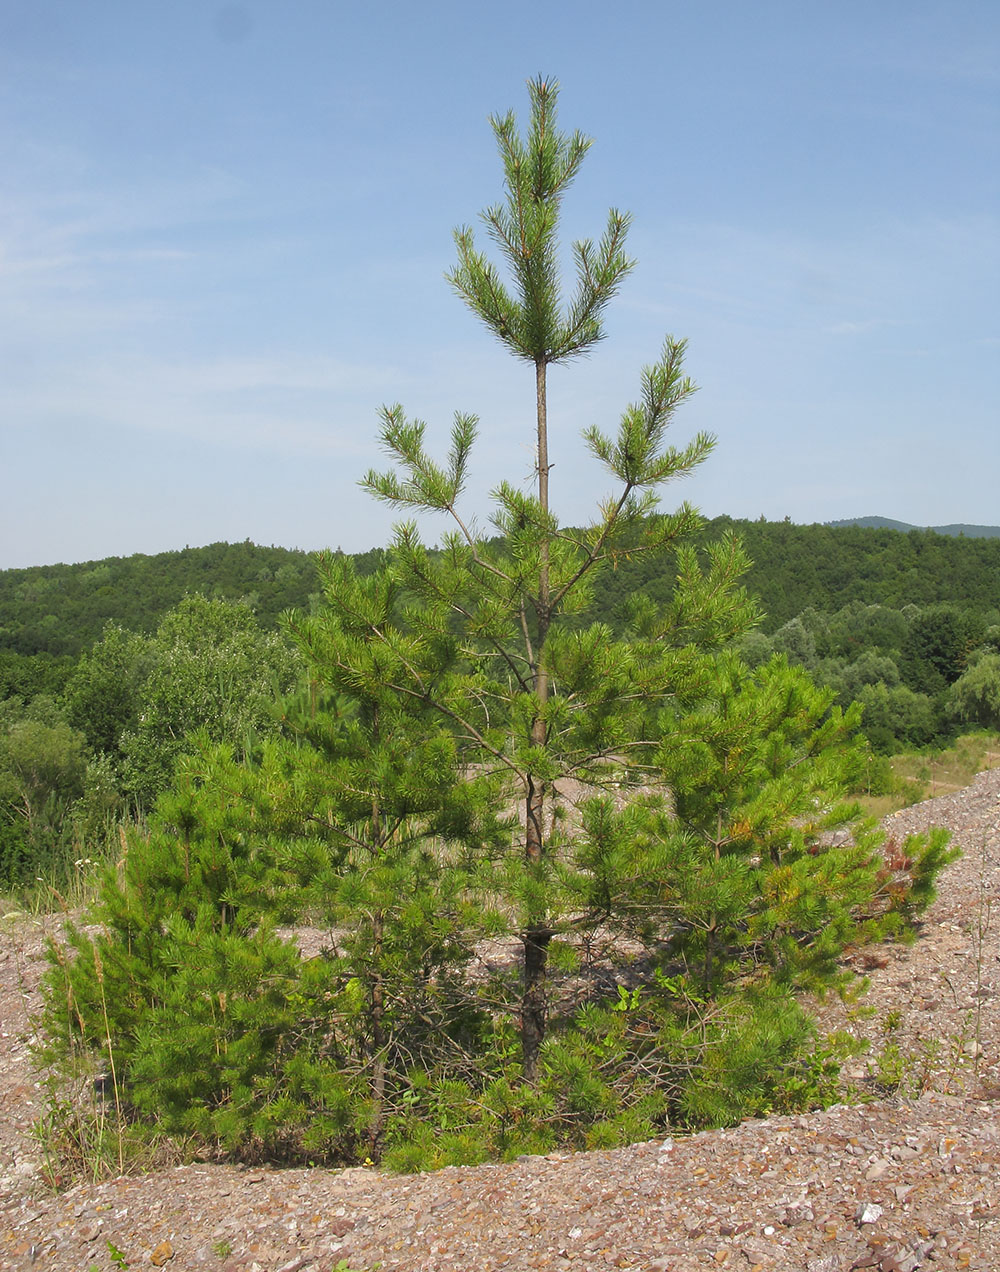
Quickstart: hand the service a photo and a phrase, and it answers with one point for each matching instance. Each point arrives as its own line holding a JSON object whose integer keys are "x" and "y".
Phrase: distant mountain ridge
{"x": 886, "y": 523}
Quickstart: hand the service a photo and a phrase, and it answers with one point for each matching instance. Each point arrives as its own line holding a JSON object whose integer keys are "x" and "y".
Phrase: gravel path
{"x": 906, "y": 1182}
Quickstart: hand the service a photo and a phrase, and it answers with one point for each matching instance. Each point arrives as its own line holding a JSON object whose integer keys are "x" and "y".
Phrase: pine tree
{"x": 473, "y": 756}
{"x": 543, "y": 698}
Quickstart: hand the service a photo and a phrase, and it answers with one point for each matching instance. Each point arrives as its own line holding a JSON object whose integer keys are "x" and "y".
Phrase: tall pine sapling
{"x": 471, "y": 757}
{"x": 524, "y": 696}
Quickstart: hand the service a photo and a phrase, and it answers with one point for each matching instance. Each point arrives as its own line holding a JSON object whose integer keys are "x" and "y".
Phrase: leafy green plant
{"x": 210, "y": 668}
{"x": 43, "y": 766}
{"x": 116, "y": 1255}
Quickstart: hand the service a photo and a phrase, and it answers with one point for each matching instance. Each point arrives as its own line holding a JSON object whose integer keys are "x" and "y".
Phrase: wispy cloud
{"x": 891, "y": 274}
{"x": 311, "y": 405}
{"x": 860, "y": 327}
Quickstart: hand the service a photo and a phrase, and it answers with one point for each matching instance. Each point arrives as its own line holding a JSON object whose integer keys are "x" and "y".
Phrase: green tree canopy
{"x": 43, "y": 767}
{"x": 975, "y": 695}
{"x": 212, "y": 668}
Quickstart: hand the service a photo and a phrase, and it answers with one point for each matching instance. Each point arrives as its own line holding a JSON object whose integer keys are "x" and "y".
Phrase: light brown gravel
{"x": 895, "y": 1185}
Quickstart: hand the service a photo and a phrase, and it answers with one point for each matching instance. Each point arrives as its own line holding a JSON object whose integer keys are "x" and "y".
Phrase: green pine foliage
{"x": 357, "y": 817}
{"x": 572, "y": 874}
{"x": 201, "y": 1018}
{"x": 529, "y": 693}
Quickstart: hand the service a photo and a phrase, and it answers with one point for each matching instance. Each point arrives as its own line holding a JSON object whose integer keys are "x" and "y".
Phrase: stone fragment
{"x": 906, "y": 1260}
{"x": 877, "y": 1169}
{"x": 867, "y": 1212}
{"x": 756, "y": 1252}
{"x": 162, "y": 1254}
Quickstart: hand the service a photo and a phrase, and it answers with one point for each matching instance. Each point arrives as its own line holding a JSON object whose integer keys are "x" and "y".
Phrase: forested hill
{"x": 886, "y": 523}
{"x": 62, "y": 609}
{"x": 825, "y": 568}
{"x": 798, "y": 567}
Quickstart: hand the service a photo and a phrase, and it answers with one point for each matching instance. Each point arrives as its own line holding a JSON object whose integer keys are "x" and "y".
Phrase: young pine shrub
{"x": 717, "y": 873}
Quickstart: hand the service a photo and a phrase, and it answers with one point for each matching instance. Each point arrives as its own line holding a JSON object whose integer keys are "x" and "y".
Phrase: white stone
{"x": 868, "y": 1212}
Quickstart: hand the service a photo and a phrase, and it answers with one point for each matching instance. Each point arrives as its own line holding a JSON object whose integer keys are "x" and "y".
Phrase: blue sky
{"x": 224, "y": 229}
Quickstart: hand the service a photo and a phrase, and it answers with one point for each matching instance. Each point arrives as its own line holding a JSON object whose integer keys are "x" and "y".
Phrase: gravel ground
{"x": 901, "y": 1183}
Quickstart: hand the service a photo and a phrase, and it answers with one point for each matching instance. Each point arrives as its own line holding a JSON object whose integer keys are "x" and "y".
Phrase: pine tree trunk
{"x": 377, "y": 999}
{"x": 534, "y": 1002}
{"x": 536, "y": 935}
{"x": 378, "y": 1042}
{"x": 541, "y": 416}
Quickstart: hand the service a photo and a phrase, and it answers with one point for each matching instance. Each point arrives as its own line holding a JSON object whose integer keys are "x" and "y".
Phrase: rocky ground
{"x": 911, "y": 1180}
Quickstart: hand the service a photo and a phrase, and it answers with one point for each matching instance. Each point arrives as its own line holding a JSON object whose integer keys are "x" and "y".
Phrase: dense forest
{"x": 61, "y": 610}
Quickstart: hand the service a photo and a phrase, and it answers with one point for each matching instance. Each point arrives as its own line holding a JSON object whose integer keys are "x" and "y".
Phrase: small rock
{"x": 162, "y": 1254}
{"x": 756, "y": 1252}
{"x": 868, "y": 1212}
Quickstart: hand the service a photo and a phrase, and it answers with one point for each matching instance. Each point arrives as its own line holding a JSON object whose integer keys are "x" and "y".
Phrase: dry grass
{"x": 924, "y": 775}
